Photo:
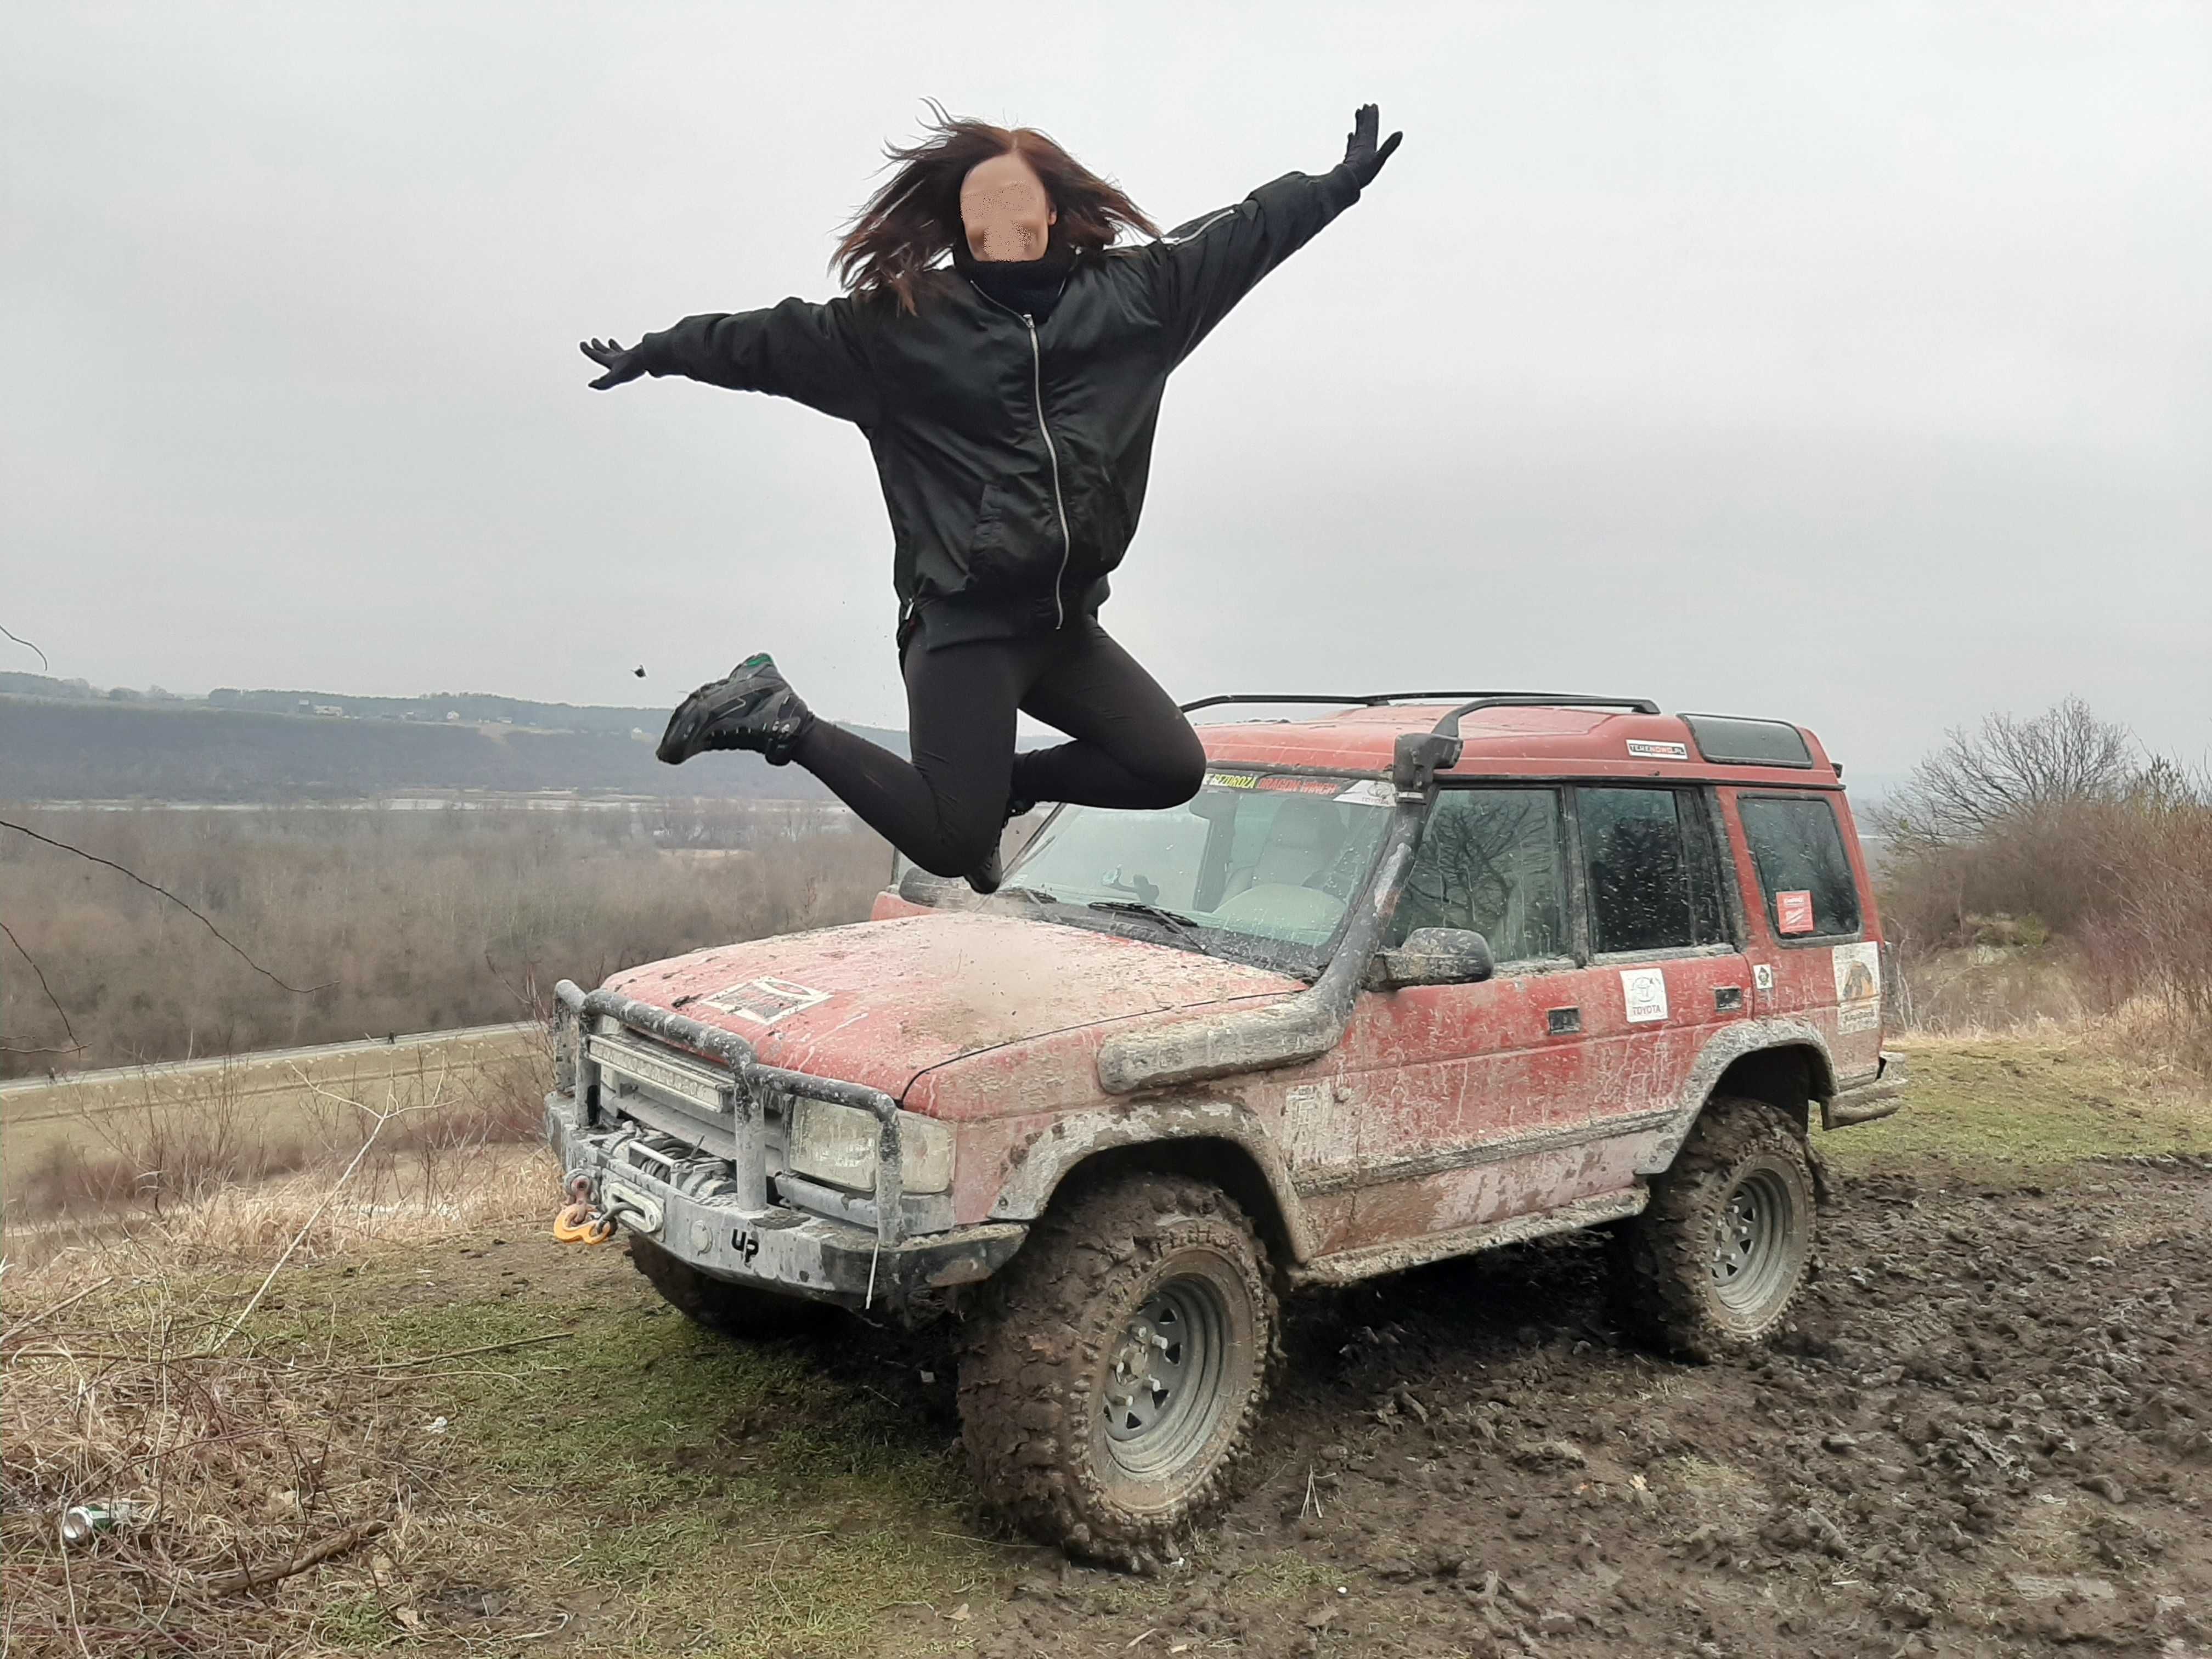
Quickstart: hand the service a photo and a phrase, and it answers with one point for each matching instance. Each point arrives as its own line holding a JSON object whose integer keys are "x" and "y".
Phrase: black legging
{"x": 1132, "y": 748}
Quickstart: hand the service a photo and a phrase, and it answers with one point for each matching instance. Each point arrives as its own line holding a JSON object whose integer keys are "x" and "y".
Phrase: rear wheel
{"x": 1715, "y": 1261}
{"x": 1108, "y": 1390}
{"x": 730, "y": 1310}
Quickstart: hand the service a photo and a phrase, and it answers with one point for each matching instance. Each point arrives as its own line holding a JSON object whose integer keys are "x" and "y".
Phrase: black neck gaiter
{"x": 1028, "y": 287}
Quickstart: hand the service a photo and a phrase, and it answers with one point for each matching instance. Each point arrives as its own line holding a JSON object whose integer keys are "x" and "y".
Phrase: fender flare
{"x": 1054, "y": 1153}
{"x": 1727, "y": 1046}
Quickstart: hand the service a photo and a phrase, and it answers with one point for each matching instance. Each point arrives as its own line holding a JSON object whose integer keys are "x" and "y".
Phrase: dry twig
{"x": 231, "y": 1583}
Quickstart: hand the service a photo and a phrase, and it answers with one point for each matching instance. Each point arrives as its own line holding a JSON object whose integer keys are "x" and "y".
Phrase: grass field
{"x": 2020, "y": 1107}
{"x": 551, "y": 1461}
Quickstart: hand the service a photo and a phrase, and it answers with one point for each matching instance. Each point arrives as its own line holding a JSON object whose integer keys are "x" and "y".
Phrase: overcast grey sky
{"x": 1847, "y": 363}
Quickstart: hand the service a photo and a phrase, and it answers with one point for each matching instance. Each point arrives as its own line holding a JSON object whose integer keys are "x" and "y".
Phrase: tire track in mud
{"x": 1987, "y": 1431}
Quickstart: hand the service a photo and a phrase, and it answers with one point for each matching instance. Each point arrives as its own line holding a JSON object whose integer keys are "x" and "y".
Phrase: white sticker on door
{"x": 1644, "y": 991}
{"x": 1315, "y": 1134}
{"x": 1858, "y": 987}
{"x": 1762, "y": 976}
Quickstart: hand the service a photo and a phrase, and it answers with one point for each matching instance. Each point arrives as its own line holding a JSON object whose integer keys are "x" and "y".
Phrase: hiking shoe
{"x": 755, "y": 708}
{"x": 984, "y": 876}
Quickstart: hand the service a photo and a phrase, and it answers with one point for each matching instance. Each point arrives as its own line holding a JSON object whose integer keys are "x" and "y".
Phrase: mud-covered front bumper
{"x": 775, "y": 1248}
{"x": 1877, "y": 1096}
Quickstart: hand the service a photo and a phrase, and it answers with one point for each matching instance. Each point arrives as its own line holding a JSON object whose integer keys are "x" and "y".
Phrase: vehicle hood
{"x": 879, "y": 1003}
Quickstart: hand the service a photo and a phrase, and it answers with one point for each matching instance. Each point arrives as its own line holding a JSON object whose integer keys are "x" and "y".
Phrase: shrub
{"x": 2032, "y": 837}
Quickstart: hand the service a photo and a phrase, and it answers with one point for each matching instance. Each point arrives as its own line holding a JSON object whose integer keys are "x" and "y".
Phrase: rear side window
{"x": 1798, "y": 849}
{"x": 1489, "y": 859}
{"x": 1654, "y": 878}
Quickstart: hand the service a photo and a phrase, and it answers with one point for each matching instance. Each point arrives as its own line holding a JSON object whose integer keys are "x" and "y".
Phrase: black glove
{"x": 620, "y": 365}
{"x": 1362, "y": 160}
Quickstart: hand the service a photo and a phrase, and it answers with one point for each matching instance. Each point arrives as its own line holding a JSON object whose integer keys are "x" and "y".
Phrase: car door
{"x": 1461, "y": 1092}
{"x": 1814, "y": 954}
{"x": 1665, "y": 967}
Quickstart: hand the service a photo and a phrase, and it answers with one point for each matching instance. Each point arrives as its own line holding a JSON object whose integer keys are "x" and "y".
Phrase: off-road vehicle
{"x": 1435, "y": 972}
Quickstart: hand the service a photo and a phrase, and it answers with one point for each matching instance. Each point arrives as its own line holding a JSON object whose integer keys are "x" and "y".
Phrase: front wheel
{"x": 1717, "y": 1258}
{"x": 1108, "y": 1391}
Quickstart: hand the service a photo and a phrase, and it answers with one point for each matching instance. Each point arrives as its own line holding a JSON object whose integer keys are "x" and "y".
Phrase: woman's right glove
{"x": 1362, "y": 159}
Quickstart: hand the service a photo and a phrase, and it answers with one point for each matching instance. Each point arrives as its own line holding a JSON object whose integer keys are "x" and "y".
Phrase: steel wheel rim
{"x": 1164, "y": 1393}
{"x": 1753, "y": 1257}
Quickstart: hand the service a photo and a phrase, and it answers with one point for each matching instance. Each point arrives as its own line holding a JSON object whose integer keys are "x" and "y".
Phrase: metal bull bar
{"x": 749, "y": 1078}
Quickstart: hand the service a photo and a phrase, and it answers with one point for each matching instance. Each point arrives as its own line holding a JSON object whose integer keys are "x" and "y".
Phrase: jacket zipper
{"x": 1052, "y": 451}
{"x": 1197, "y": 230}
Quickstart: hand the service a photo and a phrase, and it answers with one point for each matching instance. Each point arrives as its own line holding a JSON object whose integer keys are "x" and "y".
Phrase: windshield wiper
{"x": 1150, "y": 912}
{"x": 1031, "y": 895}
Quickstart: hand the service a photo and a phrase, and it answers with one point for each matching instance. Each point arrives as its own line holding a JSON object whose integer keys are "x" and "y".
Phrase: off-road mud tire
{"x": 737, "y": 1310}
{"x": 1664, "y": 1258}
{"x": 1039, "y": 1350}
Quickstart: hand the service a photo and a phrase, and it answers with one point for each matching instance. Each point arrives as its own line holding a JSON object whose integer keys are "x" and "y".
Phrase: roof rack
{"x": 1448, "y": 726}
{"x": 1416, "y": 755}
{"x": 1474, "y": 700}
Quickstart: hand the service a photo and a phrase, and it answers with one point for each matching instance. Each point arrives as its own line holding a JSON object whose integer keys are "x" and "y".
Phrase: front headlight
{"x": 837, "y": 1144}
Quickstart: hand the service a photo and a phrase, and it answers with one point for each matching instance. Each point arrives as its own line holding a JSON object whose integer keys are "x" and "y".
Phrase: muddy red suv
{"x": 1430, "y": 975}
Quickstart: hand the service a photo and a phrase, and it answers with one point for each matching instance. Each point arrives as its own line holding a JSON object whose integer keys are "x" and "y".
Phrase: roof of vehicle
{"x": 1527, "y": 739}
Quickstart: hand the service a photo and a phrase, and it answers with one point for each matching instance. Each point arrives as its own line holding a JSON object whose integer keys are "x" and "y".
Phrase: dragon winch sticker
{"x": 1858, "y": 987}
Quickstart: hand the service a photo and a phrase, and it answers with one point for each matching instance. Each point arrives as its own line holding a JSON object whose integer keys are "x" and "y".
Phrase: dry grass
{"x": 166, "y": 1144}
{"x": 485, "y": 1473}
{"x": 147, "y": 1368}
{"x": 419, "y": 920}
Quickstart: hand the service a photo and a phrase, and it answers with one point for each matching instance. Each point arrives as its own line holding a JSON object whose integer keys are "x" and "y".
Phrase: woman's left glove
{"x": 620, "y": 365}
{"x": 1361, "y": 157}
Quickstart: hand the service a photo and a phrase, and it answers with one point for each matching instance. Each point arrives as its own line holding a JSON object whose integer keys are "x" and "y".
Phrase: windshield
{"x": 1261, "y": 865}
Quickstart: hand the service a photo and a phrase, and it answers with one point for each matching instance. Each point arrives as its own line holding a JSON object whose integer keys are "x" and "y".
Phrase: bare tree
{"x": 2008, "y": 770}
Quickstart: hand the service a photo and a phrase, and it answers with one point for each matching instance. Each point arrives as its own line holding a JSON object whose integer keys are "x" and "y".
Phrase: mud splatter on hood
{"x": 880, "y": 1002}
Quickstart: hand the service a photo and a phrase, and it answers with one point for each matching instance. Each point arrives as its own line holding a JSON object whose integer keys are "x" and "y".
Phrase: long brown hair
{"x": 913, "y": 220}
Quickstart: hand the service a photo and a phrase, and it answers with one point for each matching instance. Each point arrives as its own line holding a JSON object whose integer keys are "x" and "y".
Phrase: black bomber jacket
{"x": 1013, "y": 454}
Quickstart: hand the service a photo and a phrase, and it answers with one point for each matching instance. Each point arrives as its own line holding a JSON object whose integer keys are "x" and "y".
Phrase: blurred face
{"x": 1005, "y": 211}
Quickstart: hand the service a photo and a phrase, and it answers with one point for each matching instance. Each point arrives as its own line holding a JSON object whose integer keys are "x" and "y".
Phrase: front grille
{"x": 631, "y": 1065}
{"x": 646, "y": 1073}
{"x": 695, "y": 1112}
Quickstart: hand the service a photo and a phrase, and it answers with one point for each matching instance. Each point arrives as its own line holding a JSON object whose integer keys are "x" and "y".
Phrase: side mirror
{"x": 1433, "y": 956}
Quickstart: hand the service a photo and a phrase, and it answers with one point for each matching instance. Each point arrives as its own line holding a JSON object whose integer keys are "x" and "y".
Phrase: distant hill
{"x": 65, "y": 740}
{"x": 450, "y": 707}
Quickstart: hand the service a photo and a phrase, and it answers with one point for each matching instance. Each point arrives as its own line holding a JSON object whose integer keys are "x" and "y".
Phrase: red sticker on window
{"x": 1793, "y": 913}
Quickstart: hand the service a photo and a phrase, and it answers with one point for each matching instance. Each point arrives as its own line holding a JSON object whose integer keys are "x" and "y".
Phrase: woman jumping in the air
{"x": 1010, "y": 400}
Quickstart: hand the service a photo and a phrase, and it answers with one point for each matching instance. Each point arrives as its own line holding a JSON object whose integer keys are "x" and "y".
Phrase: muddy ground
{"x": 1988, "y": 1431}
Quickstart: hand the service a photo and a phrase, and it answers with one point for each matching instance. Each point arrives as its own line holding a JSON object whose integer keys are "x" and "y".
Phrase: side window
{"x": 1798, "y": 849}
{"x": 1654, "y": 878}
{"x": 1489, "y": 859}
